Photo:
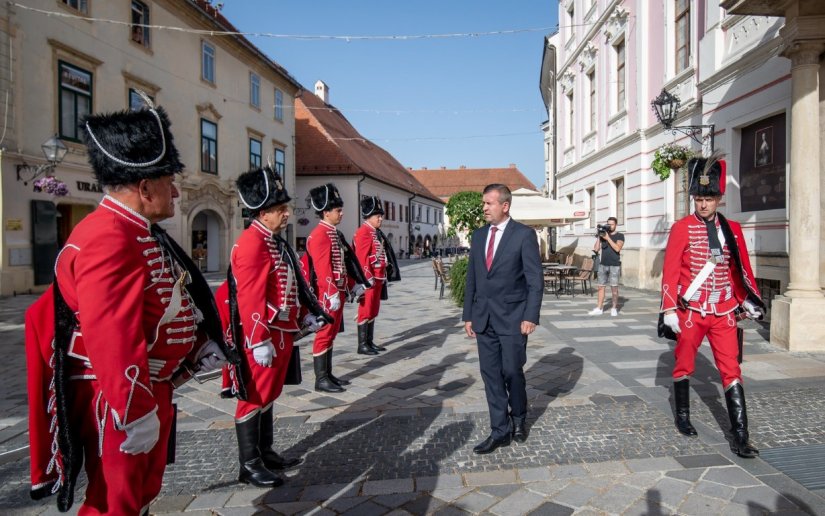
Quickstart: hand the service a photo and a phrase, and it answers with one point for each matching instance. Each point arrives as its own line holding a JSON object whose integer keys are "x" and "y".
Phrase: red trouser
{"x": 119, "y": 483}
{"x": 370, "y": 303}
{"x": 721, "y": 333}
{"x": 264, "y": 384}
{"x": 325, "y": 336}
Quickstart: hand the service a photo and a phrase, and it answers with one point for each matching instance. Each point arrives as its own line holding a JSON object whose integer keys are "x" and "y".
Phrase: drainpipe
{"x": 410, "y": 225}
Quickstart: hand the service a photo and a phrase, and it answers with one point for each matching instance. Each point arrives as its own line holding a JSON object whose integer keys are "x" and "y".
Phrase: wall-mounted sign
{"x": 85, "y": 186}
{"x": 14, "y": 224}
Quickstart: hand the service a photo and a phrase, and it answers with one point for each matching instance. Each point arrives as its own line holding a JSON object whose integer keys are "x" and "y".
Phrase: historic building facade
{"x": 747, "y": 80}
{"x": 230, "y": 107}
{"x": 330, "y": 149}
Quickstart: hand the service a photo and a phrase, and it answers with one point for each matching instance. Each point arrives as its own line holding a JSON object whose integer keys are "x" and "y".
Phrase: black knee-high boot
{"x": 272, "y": 460}
{"x": 681, "y": 398}
{"x": 738, "y": 412}
{"x": 322, "y": 382}
{"x": 338, "y": 381}
{"x": 363, "y": 342}
{"x": 253, "y": 471}
{"x": 370, "y": 342}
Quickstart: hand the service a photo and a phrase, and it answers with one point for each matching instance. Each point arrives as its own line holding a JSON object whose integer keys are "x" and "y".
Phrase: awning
{"x": 533, "y": 209}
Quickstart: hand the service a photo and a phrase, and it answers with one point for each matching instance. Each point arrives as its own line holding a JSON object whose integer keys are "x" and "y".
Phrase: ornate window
{"x": 682, "y": 26}
{"x": 140, "y": 18}
{"x": 255, "y": 147}
{"x": 209, "y": 146}
{"x": 75, "y": 99}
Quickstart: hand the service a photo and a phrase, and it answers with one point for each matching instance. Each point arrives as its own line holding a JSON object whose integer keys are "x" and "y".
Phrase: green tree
{"x": 465, "y": 212}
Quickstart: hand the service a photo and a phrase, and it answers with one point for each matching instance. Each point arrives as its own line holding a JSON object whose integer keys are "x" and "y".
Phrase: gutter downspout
{"x": 409, "y": 225}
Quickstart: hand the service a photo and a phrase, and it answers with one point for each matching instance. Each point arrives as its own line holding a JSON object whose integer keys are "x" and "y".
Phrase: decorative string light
{"x": 304, "y": 37}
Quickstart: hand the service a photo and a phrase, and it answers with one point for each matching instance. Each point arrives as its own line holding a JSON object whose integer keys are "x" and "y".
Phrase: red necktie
{"x": 490, "y": 246}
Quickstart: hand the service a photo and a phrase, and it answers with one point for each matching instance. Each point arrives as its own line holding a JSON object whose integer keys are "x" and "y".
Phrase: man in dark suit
{"x": 502, "y": 299}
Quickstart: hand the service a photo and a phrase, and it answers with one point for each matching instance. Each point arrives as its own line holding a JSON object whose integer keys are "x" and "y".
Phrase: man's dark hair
{"x": 504, "y": 194}
{"x": 614, "y": 219}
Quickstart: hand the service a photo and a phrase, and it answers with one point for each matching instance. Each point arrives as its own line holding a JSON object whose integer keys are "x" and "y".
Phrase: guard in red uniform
{"x": 325, "y": 266}
{"x": 707, "y": 282}
{"x": 120, "y": 325}
{"x": 379, "y": 264}
{"x": 273, "y": 302}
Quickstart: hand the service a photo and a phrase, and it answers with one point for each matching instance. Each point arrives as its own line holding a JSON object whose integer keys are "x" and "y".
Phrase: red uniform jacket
{"x": 687, "y": 252}
{"x": 327, "y": 256}
{"x": 267, "y": 287}
{"x": 370, "y": 252}
{"x": 136, "y": 321}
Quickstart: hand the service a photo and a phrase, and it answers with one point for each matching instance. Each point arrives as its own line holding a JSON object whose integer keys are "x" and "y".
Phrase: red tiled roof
{"x": 327, "y": 144}
{"x": 445, "y": 182}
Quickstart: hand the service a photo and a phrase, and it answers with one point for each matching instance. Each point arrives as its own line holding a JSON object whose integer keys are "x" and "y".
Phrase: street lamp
{"x": 666, "y": 107}
{"x": 53, "y": 150}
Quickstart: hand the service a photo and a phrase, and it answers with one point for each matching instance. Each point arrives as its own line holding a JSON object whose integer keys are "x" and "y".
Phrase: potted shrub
{"x": 669, "y": 157}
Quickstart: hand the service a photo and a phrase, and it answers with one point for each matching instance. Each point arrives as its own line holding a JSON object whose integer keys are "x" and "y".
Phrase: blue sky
{"x": 430, "y": 102}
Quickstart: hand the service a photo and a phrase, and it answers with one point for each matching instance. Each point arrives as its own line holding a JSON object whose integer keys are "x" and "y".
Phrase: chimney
{"x": 512, "y": 165}
{"x": 322, "y": 91}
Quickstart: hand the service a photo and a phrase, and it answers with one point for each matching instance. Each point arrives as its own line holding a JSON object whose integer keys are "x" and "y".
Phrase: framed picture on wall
{"x": 763, "y": 147}
{"x": 762, "y": 174}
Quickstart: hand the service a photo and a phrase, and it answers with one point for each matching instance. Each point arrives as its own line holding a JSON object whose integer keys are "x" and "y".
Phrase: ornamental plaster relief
{"x": 615, "y": 24}
{"x": 747, "y": 33}
{"x": 587, "y": 57}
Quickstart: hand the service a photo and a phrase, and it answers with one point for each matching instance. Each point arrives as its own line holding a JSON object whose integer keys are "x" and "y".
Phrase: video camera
{"x": 602, "y": 229}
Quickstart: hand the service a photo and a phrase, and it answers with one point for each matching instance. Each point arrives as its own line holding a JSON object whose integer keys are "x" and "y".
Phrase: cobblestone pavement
{"x": 399, "y": 441}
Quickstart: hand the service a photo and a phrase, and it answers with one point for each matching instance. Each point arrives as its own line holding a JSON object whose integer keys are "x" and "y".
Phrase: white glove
{"x": 263, "y": 354}
{"x": 357, "y": 292}
{"x": 142, "y": 436}
{"x": 210, "y": 357}
{"x": 671, "y": 320}
{"x": 752, "y": 311}
{"x": 335, "y": 302}
{"x": 312, "y": 323}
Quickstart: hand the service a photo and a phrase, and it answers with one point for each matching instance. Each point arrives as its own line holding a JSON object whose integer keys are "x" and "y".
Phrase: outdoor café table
{"x": 563, "y": 272}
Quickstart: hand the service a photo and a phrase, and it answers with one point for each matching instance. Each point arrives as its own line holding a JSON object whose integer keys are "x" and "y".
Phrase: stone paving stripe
{"x": 438, "y": 482}
{"x": 702, "y": 461}
{"x": 210, "y": 500}
{"x": 551, "y": 509}
{"x": 246, "y": 497}
{"x": 518, "y": 503}
{"x": 395, "y": 500}
{"x": 485, "y": 478}
{"x": 654, "y": 464}
{"x": 534, "y": 474}
{"x": 172, "y": 503}
{"x": 379, "y": 487}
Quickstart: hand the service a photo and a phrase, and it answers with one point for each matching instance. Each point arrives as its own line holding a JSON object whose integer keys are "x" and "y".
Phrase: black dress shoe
{"x": 519, "y": 432}
{"x": 490, "y": 444}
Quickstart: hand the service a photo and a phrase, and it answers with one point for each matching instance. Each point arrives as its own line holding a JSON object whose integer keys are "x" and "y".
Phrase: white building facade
{"x": 733, "y": 76}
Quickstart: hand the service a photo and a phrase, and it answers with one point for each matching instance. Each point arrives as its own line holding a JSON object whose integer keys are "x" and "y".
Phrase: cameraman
{"x": 609, "y": 243}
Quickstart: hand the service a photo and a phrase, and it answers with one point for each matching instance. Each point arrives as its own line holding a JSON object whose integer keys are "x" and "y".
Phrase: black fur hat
{"x": 261, "y": 188}
{"x": 325, "y": 197}
{"x": 370, "y": 206}
{"x": 128, "y": 146}
{"x": 707, "y": 176}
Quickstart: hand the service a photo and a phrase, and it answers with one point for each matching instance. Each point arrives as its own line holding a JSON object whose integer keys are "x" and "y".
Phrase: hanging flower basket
{"x": 669, "y": 157}
{"x": 51, "y": 185}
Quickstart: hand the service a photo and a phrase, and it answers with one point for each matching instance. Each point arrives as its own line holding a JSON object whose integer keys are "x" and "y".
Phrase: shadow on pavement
{"x": 355, "y": 446}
